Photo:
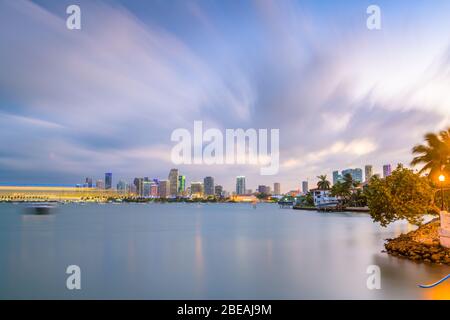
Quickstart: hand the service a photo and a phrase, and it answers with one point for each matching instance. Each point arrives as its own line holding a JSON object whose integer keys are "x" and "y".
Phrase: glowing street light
{"x": 442, "y": 179}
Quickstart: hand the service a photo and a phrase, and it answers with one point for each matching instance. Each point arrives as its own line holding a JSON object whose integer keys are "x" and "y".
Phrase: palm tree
{"x": 434, "y": 154}
{"x": 323, "y": 183}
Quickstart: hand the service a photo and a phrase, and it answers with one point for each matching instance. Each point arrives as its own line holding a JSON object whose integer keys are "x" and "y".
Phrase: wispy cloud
{"x": 107, "y": 97}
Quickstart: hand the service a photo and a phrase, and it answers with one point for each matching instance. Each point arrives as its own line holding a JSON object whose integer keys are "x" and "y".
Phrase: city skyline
{"x": 341, "y": 95}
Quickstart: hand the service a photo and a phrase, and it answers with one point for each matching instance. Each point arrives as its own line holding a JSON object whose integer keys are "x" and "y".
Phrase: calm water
{"x": 205, "y": 251}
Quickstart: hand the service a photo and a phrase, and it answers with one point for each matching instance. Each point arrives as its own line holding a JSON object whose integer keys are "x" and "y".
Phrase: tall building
{"x": 336, "y": 177}
{"x": 208, "y": 183}
{"x": 173, "y": 181}
{"x": 146, "y": 188}
{"x": 108, "y": 180}
{"x": 153, "y": 189}
{"x": 305, "y": 188}
{"x": 181, "y": 185}
{"x": 218, "y": 191}
{"x": 264, "y": 189}
{"x": 357, "y": 174}
{"x": 387, "y": 170}
{"x": 139, "y": 186}
{"x": 196, "y": 189}
{"x": 164, "y": 188}
{"x": 122, "y": 187}
{"x": 276, "y": 188}
{"x": 88, "y": 182}
{"x": 368, "y": 170}
{"x": 240, "y": 185}
{"x": 99, "y": 184}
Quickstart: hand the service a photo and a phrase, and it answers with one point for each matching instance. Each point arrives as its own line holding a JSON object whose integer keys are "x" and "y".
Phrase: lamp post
{"x": 442, "y": 179}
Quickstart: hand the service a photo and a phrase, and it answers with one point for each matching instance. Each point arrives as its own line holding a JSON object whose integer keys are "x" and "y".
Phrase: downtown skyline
{"x": 73, "y": 103}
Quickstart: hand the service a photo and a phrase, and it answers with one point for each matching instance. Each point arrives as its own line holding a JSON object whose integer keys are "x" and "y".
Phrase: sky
{"x": 106, "y": 98}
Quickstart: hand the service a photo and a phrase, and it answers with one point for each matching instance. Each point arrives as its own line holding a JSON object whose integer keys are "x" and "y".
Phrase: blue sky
{"x": 107, "y": 97}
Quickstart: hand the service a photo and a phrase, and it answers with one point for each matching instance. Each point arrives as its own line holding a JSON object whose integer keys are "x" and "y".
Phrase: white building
{"x": 322, "y": 197}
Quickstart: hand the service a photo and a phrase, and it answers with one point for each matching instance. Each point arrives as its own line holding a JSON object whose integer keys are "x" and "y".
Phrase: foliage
{"x": 341, "y": 190}
{"x": 309, "y": 200}
{"x": 323, "y": 183}
{"x": 434, "y": 154}
{"x": 262, "y": 196}
{"x": 402, "y": 195}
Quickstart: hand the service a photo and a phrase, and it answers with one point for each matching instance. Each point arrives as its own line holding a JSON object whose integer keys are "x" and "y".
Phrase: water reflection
{"x": 220, "y": 251}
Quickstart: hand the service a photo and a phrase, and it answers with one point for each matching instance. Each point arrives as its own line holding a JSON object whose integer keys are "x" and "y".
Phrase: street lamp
{"x": 442, "y": 179}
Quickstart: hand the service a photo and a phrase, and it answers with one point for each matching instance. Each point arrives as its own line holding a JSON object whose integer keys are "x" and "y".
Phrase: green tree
{"x": 342, "y": 190}
{"x": 323, "y": 183}
{"x": 434, "y": 155}
{"x": 402, "y": 195}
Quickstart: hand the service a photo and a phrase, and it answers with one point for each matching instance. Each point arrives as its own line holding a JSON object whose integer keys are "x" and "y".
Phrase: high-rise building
{"x": 139, "y": 186}
{"x": 240, "y": 185}
{"x": 264, "y": 189}
{"x": 153, "y": 189}
{"x": 277, "y": 188}
{"x": 132, "y": 188}
{"x": 208, "y": 183}
{"x": 164, "y": 188}
{"x": 218, "y": 191}
{"x": 181, "y": 185}
{"x": 368, "y": 170}
{"x": 305, "y": 188}
{"x": 88, "y": 182}
{"x": 99, "y": 184}
{"x": 387, "y": 170}
{"x": 196, "y": 189}
{"x": 108, "y": 180}
{"x": 122, "y": 186}
{"x": 357, "y": 174}
{"x": 336, "y": 177}
{"x": 146, "y": 188}
{"x": 173, "y": 181}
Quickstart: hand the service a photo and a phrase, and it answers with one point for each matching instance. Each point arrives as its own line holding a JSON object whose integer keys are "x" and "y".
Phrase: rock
{"x": 420, "y": 245}
{"x": 436, "y": 257}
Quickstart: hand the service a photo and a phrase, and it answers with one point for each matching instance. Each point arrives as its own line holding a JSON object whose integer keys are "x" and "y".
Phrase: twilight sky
{"x": 77, "y": 103}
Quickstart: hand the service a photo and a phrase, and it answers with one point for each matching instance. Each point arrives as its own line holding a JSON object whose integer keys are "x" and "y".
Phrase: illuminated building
{"x": 209, "y": 186}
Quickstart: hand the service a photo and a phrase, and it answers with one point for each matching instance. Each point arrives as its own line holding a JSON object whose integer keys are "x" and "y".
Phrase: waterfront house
{"x": 322, "y": 197}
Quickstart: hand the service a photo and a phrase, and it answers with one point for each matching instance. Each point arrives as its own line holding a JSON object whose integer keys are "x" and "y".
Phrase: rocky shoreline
{"x": 420, "y": 245}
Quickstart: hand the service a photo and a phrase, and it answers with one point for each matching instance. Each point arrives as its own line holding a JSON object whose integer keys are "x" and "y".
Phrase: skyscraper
{"x": 139, "y": 186}
{"x": 181, "y": 185}
{"x": 196, "y": 189}
{"x": 264, "y": 189}
{"x": 209, "y": 186}
{"x": 387, "y": 170}
{"x": 276, "y": 188}
{"x": 368, "y": 170}
{"x": 146, "y": 188}
{"x": 164, "y": 188}
{"x": 218, "y": 191}
{"x": 356, "y": 174}
{"x": 99, "y": 184}
{"x": 336, "y": 177}
{"x": 305, "y": 188}
{"x": 153, "y": 189}
{"x": 108, "y": 180}
{"x": 173, "y": 181}
{"x": 240, "y": 185}
{"x": 88, "y": 182}
{"x": 122, "y": 186}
